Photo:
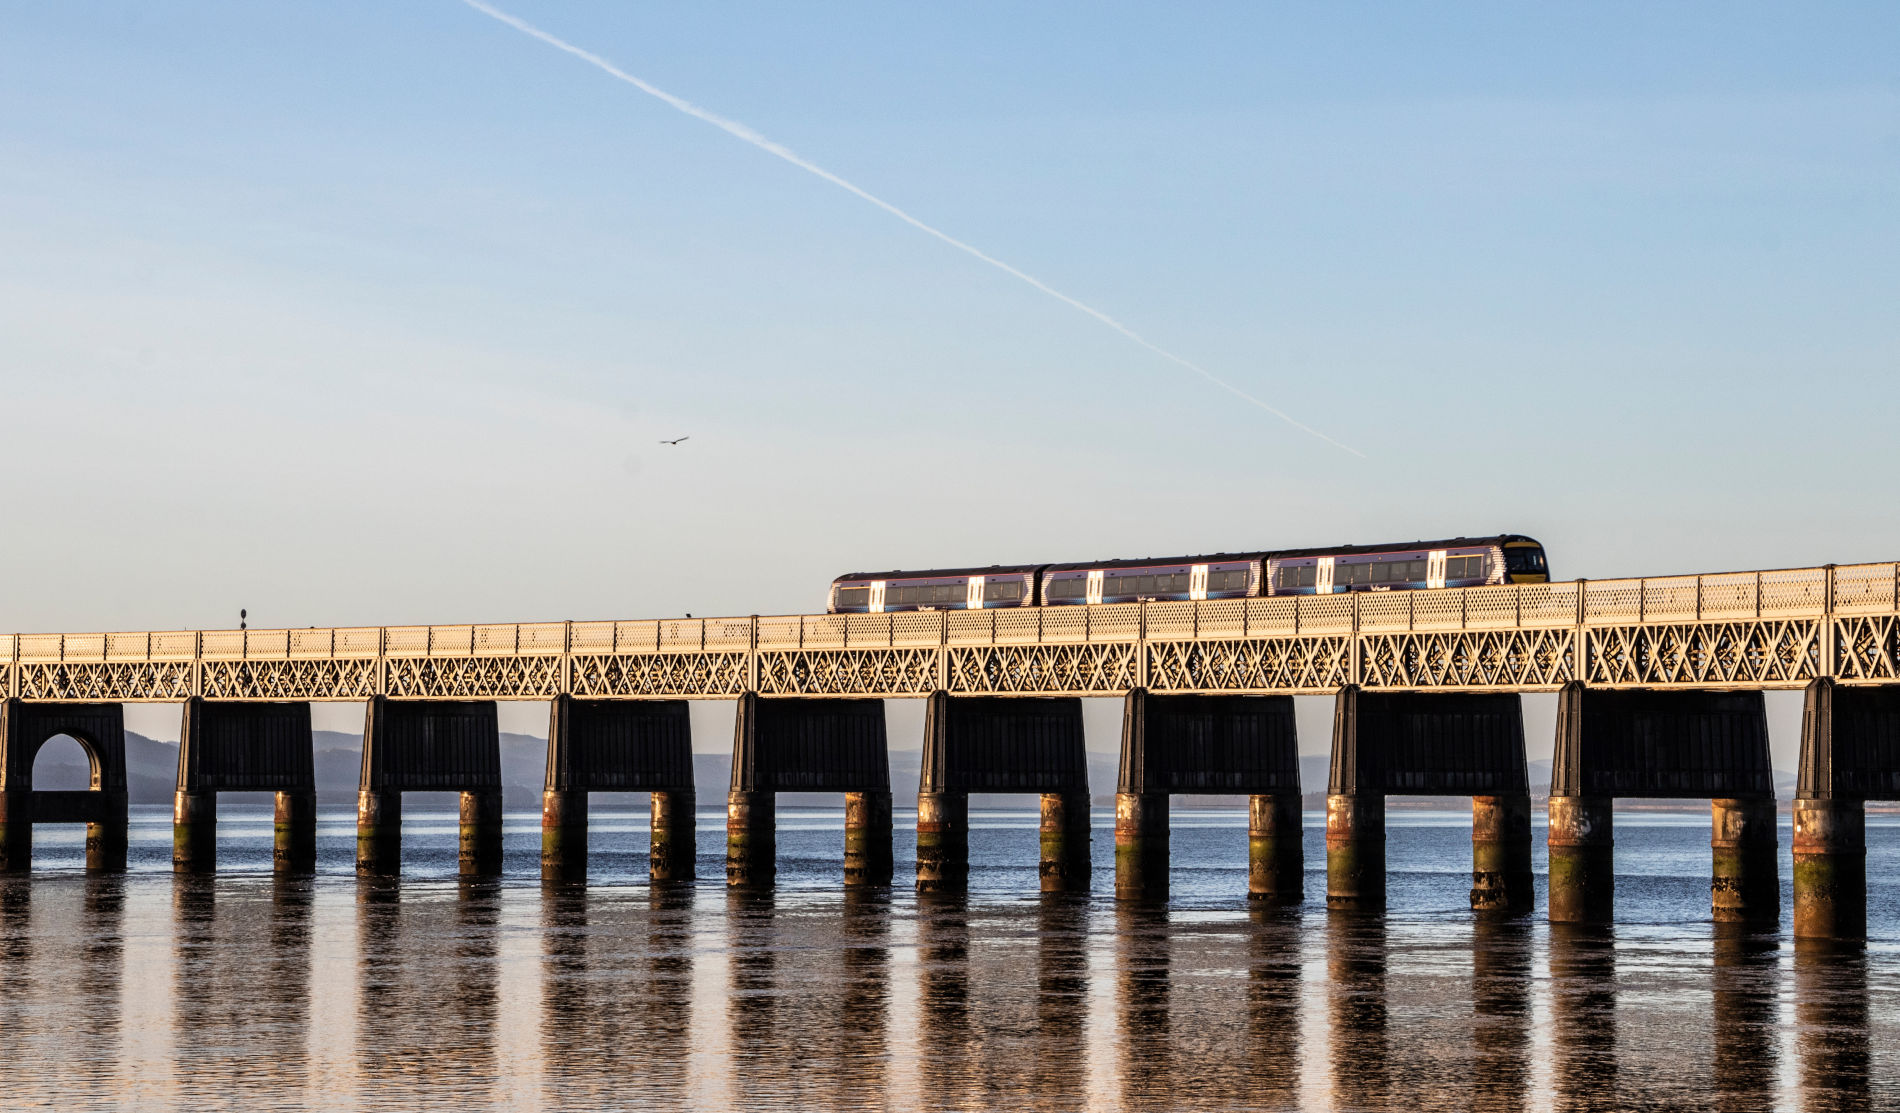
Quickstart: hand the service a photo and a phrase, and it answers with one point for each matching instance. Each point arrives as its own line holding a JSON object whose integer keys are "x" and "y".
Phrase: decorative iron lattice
{"x": 335, "y": 679}
{"x": 674, "y": 675}
{"x": 1762, "y": 654}
{"x": 849, "y": 672}
{"x": 1744, "y": 629}
{"x": 1316, "y": 664}
{"x": 1520, "y": 660}
{"x": 1867, "y": 648}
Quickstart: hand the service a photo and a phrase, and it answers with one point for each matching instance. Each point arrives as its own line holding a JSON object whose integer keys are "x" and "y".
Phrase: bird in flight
{"x": 676, "y": 440}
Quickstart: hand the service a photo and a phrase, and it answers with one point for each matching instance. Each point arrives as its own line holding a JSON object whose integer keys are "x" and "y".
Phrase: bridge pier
{"x": 100, "y": 730}
{"x": 1650, "y": 743}
{"x": 1002, "y": 744}
{"x": 867, "y": 839}
{"x": 294, "y": 832}
{"x": 618, "y": 746}
{"x": 244, "y": 747}
{"x": 751, "y": 838}
{"x": 1501, "y": 874}
{"x": 797, "y": 744}
{"x": 378, "y": 832}
{"x": 1194, "y": 744}
{"x": 674, "y": 844}
{"x": 1355, "y": 810}
{"x": 1745, "y": 876}
{"x": 1582, "y": 838}
{"x": 429, "y": 746}
{"x": 1850, "y": 738}
{"x": 194, "y": 832}
{"x": 943, "y": 841}
{"x": 1430, "y": 744}
{"x": 1141, "y": 846}
{"x": 1276, "y": 860}
{"x": 1064, "y": 837}
{"x": 480, "y": 831}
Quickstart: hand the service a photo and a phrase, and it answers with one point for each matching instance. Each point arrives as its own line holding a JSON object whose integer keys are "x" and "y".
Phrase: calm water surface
{"x": 149, "y": 992}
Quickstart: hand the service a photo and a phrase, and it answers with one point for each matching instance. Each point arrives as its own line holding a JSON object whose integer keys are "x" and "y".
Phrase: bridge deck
{"x": 1774, "y": 629}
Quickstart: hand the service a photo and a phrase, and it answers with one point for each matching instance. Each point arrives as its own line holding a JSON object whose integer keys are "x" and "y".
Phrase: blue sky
{"x": 374, "y": 312}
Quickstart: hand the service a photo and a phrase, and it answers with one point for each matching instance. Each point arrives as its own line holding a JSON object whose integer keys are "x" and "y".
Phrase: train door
{"x": 1323, "y": 577}
{"x": 973, "y": 594}
{"x": 1435, "y": 568}
{"x": 1095, "y": 586}
{"x": 877, "y": 596}
{"x": 1197, "y": 582}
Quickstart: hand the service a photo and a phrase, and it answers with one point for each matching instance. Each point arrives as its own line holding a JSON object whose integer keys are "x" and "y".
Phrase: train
{"x": 1452, "y": 562}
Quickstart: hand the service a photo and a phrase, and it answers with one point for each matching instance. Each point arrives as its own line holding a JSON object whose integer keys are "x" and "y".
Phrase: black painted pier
{"x": 429, "y": 746}
{"x": 100, "y": 730}
{"x": 1428, "y": 744}
{"x": 808, "y": 745}
{"x": 1682, "y": 744}
{"x": 618, "y": 746}
{"x": 1002, "y": 744}
{"x": 1209, "y": 745}
{"x": 244, "y": 747}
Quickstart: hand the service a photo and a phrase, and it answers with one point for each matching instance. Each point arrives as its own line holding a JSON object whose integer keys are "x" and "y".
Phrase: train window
{"x": 1524, "y": 560}
{"x": 1234, "y": 580}
{"x": 1074, "y": 588}
{"x": 1352, "y": 575}
{"x": 1303, "y": 575}
{"x": 1002, "y": 591}
{"x": 854, "y": 597}
{"x": 1474, "y": 567}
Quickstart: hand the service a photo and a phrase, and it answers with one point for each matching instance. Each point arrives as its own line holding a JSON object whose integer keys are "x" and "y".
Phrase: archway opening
{"x": 62, "y": 765}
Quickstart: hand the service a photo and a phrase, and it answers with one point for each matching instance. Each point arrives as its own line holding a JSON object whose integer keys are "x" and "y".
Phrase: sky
{"x": 375, "y": 313}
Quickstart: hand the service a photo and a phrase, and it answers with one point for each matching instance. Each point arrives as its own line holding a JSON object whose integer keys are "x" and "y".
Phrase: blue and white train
{"x": 1456, "y": 562}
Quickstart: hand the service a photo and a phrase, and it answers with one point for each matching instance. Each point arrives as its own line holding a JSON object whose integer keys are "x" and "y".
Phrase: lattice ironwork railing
{"x": 1743, "y": 629}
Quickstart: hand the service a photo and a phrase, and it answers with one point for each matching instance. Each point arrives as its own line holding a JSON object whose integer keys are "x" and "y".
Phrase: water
{"x": 148, "y": 992}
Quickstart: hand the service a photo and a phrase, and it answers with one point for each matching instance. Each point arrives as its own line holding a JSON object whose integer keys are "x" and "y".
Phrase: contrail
{"x": 739, "y": 130}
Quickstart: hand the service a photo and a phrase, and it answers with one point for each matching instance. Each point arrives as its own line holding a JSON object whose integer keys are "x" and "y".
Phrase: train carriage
{"x": 1456, "y": 562}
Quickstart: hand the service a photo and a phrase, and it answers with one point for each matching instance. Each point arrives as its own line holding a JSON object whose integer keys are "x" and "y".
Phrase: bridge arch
{"x": 53, "y": 755}
{"x": 99, "y": 729}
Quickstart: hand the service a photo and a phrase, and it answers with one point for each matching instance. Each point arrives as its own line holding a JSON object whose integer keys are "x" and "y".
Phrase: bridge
{"x": 1660, "y": 681}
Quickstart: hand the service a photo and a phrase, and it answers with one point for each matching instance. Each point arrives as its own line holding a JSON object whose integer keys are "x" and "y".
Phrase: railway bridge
{"x": 1660, "y": 683}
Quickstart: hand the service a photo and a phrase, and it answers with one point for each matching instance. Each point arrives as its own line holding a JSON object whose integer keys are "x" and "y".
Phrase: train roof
{"x": 1407, "y": 546}
{"x": 1144, "y": 562}
{"x": 933, "y": 573}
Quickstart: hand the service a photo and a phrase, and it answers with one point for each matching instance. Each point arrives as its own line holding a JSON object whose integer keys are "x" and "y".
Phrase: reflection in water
{"x": 616, "y": 996}
{"x": 427, "y": 993}
{"x": 1356, "y": 1007}
{"x": 1147, "y": 1059}
{"x": 1500, "y": 1013}
{"x": 241, "y": 983}
{"x": 808, "y": 1002}
{"x": 1832, "y": 1022}
{"x": 1583, "y": 1016}
{"x": 945, "y": 1041}
{"x": 1059, "y": 1057}
{"x": 159, "y": 992}
{"x": 1744, "y": 1023}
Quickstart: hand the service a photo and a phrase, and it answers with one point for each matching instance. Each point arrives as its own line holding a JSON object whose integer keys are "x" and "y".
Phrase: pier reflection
{"x": 616, "y": 995}
{"x": 1146, "y": 1057}
{"x": 809, "y": 1000}
{"x": 1500, "y": 1014}
{"x": 1356, "y": 1009}
{"x": 62, "y": 958}
{"x": 428, "y": 994}
{"x": 1583, "y": 1017}
{"x": 946, "y": 1043}
{"x": 1744, "y": 1004}
{"x": 1058, "y": 1063}
{"x": 240, "y": 982}
{"x": 1831, "y": 1018}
